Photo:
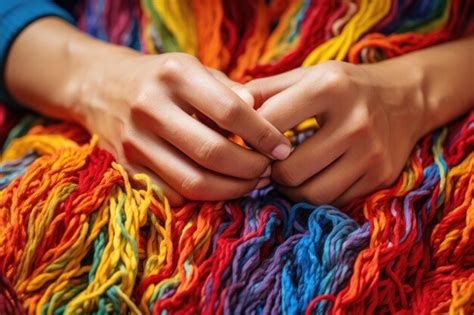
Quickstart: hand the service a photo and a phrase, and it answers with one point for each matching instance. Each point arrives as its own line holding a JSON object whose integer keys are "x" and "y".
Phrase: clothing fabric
{"x": 15, "y": 16}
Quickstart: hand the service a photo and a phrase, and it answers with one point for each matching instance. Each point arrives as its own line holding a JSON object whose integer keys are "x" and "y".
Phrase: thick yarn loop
{"x": 78, "y": 235}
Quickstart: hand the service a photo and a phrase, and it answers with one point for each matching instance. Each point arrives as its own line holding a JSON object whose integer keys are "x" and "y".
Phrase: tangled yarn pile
{"x": 77, "y": 235}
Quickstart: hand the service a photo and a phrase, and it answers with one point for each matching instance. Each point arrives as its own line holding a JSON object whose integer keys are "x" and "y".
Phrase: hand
{"x": 370, "y": 119}
{"x": 138, "y": 106}
{"x": 142, "y": 107}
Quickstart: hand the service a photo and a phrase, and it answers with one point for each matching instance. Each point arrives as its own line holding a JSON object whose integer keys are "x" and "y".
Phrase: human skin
{"x": 142, "y": 108}
{"x": 371, "y": 116}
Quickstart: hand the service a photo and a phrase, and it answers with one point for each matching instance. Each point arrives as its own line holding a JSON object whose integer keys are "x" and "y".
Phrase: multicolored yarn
{"x": 79, "y": 236}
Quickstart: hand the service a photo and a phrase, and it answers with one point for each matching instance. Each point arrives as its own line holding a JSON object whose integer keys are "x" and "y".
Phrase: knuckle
{"x": 362, "y": 125}
{"x": 142, "y": 112}
{"x": 193, "y": 187}
{"x": 286, "y": 175}
{"x": 210, "y": 153}
{"x": 228, "y": 113}
{"x": 185, "y": 57}
{"x": 336, "y": 77}
{"x": 172, "y": 68}
{"x": 141, "y": 100}
{"x": 265, "y": 139}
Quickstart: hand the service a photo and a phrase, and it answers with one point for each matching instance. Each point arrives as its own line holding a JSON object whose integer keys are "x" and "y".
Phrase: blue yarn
{"x": 316, "y": 258}
{"x": 299, "y": 20}
{"x": 94, "y": 20}
{"x": 420, "y": 13}
{"x": 20, "y": 129}
{"x": 322, "y": 258}
{"x": 10, "y": 170}
{"x": 99, "y": 245}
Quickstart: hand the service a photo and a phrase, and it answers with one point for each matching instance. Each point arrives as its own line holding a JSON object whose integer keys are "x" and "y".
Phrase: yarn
{"x": 78, "y": 235}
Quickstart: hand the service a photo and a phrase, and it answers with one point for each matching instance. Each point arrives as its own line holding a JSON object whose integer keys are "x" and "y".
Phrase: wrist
{"x": 95, "y": 70}
{"x": 52, "y": 81}
{"x": 400, "y": 87}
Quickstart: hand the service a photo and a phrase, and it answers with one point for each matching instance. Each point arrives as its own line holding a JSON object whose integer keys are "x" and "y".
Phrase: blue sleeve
{"x": 15, "y": 15}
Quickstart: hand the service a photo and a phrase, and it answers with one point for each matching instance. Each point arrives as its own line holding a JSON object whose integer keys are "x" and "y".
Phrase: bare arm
{"x": 142, "y": 106}
{"x": 371, "y": 117}
{"x": 48, "y": 64}
{"x": 444, "y": 80}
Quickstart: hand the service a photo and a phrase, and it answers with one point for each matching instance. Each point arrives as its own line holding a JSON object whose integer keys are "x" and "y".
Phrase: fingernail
{"x": 267, "y": 172}
{"x": 281, "y": 152}
{"x": 244, "y": 95}
{"x": 262, "y": 183}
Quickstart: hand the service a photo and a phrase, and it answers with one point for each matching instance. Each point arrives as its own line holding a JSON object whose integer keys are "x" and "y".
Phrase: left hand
{"x": 370, "y": 118}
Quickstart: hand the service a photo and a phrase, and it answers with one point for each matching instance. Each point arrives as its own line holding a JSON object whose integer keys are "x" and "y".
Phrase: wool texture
{"x": 79, "y": 236}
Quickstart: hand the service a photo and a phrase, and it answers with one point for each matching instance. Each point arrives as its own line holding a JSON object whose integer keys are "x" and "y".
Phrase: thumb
{"x": 263, "y": 89}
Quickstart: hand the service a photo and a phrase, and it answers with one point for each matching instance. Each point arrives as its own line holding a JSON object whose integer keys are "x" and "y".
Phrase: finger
{"x": 263, "y": 89}
{"x": 229, "y": 111}
{"x": 238, "y": 88}
{"x": 182, "y": 174}
{"x": 294, "y": 105}
{"x": 311, "y": 156}
{"x": 360, "y": 188}
{"x": 203, "y": 145}
{"x": 220, "y": 76}
{"x": 328, "y": 185}
{"x": 174, "y": 198}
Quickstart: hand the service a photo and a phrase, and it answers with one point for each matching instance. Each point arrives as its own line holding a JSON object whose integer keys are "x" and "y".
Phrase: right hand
{"x": 141, "y": 107}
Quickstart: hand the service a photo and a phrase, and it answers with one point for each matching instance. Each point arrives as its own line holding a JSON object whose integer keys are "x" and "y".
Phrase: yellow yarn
{"x": 41, "y": 144}
{"x": 178, "y": 17}
{"x": 370, "y": 12}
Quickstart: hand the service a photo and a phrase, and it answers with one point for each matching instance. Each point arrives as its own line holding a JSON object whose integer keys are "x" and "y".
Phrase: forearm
{"x": 48, "y": 64}
{"x": 448, "y": 87}
{"x": 439, "y": 80}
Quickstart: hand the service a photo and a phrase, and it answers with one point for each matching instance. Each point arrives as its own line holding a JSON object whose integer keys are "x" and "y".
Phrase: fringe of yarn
{"x": 79, "y": 236}
{"x": 257, "y": 38}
